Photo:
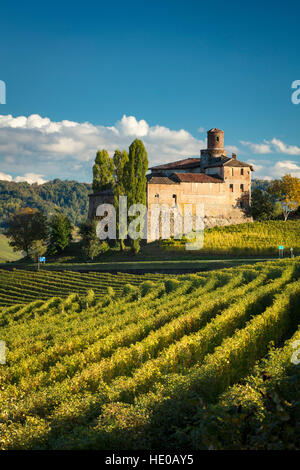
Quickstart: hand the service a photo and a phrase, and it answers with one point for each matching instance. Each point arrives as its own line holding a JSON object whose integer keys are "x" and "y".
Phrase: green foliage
{"x": 136, "y": 246}
{"x": 60, "y": 233}
{"x": 102, "y": 171}
{"x": 134, "y": 173}
{"x": 194, "y": 361}
{"x": 261, "y": 205}
{"x": 120, "y": 159}
{"x": 70, "y": 197}
{"x": 287, "y": 192}
{"x": 147, "y": 287}
{"x": 37, "y": 249}
{"x": 171, "y": 284}
{"x": 90, "y": 241}
{"x": 26, "y": 227}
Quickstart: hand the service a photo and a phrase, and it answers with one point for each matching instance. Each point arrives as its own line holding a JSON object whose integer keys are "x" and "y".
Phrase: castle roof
{"x": 160, "y": 179}
{"x": 215, "y": 129}
{"x": 231, "y": 162}
{"x": 177, "y": 178}
{"x": 179, "y": 164}
{"x": 197, "y": 178}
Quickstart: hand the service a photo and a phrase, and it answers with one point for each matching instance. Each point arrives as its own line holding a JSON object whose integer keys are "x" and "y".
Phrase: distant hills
{"x": 70, "y": 197}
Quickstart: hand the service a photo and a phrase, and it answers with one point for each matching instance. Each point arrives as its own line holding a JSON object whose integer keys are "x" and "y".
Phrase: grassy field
{"x": 196, "y": 361}
{"x": 6, "y": 252}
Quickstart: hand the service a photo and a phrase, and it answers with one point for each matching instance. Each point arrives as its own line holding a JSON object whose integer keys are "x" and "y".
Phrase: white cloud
{"x": 282, "y": 168}
{"x": 4, "y": 177}
{"x": 232, "y": 149}
{"x": 35, "y": 149}
{"x": 30, "y": 178}
{"x": 274, "y": 170}
{"x": 60, "y": 149}
{"x": 258, "y": 148}
{"x": 284, "y": 148}
{"x": 272, "y": 146}
{"x": 257, "y": 166}
{"x": 130, "y": 126}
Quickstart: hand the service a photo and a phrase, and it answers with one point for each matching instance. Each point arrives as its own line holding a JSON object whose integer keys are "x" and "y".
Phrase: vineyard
{"x": 256, "y": 238}
{"x": 197, "y": 361}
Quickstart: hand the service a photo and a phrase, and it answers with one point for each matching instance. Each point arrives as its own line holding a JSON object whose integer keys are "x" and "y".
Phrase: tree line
{"x": 276, "y": 199}
{"x": 36, "y": 231}
{"x": 69, "y": 197}
{"x": 124, "y": 175}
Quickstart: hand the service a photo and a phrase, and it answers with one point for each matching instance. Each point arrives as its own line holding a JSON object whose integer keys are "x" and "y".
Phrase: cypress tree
{"x": 134, "y": 178}
{"x": 102, "y": 171}
{"x": 120, "y": 159}
{"x": 134, "y": 175}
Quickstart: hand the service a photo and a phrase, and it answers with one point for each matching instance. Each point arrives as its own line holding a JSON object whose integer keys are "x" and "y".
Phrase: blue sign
{"x": 42, "y": 259}
{"x": 281, "y": 247}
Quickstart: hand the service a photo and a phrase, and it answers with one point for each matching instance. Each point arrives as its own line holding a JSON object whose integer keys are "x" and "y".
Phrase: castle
{"x": 221, "y": 183}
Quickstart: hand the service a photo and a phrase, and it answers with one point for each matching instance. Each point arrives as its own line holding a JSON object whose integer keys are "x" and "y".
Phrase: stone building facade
{"x": 220, "y": 183}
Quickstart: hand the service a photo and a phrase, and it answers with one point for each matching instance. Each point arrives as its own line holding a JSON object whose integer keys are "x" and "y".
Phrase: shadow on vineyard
{"x": 194, "y": 361}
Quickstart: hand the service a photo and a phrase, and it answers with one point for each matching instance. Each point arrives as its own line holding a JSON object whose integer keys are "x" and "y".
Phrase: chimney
{"x": 234, "y": 156}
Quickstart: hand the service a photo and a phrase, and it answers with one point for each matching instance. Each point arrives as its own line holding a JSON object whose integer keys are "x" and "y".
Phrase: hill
{"x": 70, "y": 197}
{"x": 180, "y": 362}
{"x": 6, "y": 252}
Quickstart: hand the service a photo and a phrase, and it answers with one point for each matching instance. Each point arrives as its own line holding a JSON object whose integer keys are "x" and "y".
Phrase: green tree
{"x": 102, "y": 171}
{"x": 25, "y": 227}
{"x": 60, "y": 233}
{"x": 134, "y": 177}
{"x": 261, "y": 205}
{"x": 287, "y": 192}
{"x": 37, "y": 249}
{"x": 92, "y": 246}
{"x": 120, "y": 159}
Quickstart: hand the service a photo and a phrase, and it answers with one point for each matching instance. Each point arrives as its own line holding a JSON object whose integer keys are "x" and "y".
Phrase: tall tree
{"x": 25, "y": 227}
{"x": 102, "y": 171}
{"x": 120, "y": 159}
{"x": 60, "y": 233}
{"x": 134, "y": 177}
{"x": 287, "y": 192}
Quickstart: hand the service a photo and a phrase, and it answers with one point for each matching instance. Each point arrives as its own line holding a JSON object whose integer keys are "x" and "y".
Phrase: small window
{"x": 242, "y": 171}
{"x": 242, "y": 187}
{"x": 232, "y": 172}
{"x": 218, "y": 139}
{"x": 231, "y": 188}
{"x": 175, "y": 198}
{"x": 157, "y": 196}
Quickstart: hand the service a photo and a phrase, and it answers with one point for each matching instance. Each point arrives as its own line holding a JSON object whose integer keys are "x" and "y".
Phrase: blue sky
{"x": 164, "y": 71}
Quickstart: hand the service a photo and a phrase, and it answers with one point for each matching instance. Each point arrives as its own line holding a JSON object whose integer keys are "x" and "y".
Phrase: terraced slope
{"x": 144, "y": 365}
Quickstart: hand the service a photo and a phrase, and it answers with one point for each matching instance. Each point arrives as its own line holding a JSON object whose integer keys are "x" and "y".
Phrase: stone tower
{"x": 215, "y": 147}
